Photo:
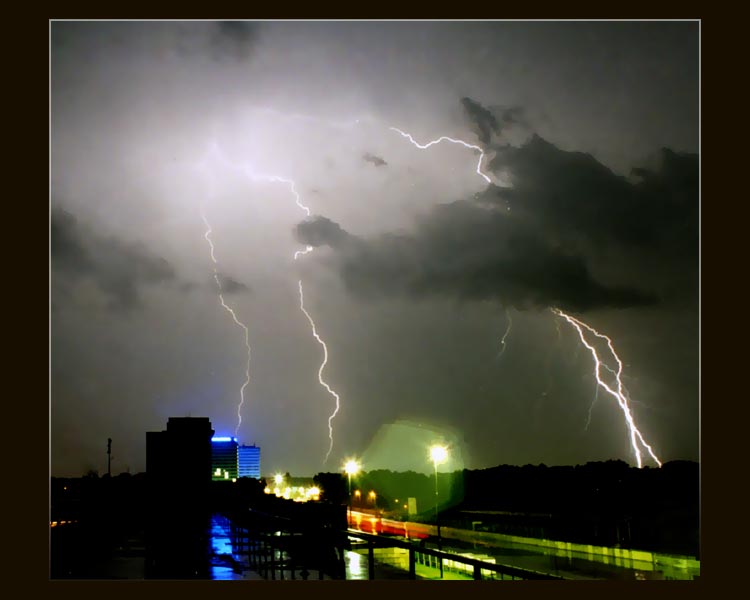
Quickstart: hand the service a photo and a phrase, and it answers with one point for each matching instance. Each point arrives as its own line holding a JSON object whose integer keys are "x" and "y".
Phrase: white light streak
{"x": 505, "y": 335}
{"x": 257, "y": 177}
{"x": 446, "y": 139}
{"x": 234, "y": 317}
{"x": 320, "y": 370}
{"x": 619, "y": 394}
{"x": 591, "y": 408}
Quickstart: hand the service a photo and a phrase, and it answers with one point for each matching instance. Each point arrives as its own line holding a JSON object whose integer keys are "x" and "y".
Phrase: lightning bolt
{"x": 322, "y": 382}
{"x": 255, "y": 177}
{"x": 320, "y": 370}
{"x": 505, "y": 335}
{"x": 596, "y": 397}
{"x": 446, "y": 139}
{"x": 618, "y": 392}
{"x": 207, "y": 236}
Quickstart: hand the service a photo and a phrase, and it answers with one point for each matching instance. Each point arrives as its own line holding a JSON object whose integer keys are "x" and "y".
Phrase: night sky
{"x": 590, "y": 134}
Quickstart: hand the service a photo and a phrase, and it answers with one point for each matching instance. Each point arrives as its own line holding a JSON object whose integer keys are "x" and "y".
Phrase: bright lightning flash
{"x": 252, "y": 175}
{"x": 234, "y": 316}
{"x": 619, "y": 393}
{"x": 446, "y": 139}
{"x": 320, "y": 370}
{"x": 505, "y": 335}
{"x": 591, "y": 408}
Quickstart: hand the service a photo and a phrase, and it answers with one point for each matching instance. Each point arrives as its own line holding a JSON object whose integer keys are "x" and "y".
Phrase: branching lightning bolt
{"x": 591, "y": 408}
{"x": 619, "y": 393}
{"x": 505, "y": 335}
{"x": 248, "y": 172}
{"x": 322, "y": 382}
{"x": 234, "y": 317}
{"x": 446, "y": 139}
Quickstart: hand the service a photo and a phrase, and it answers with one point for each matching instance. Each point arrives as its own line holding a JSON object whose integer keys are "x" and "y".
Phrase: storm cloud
{"x": 118, "y": 268}
{"x": 258, "y": 123}
{"x": 229, "y": 285}
{"x": 375, "y": 160}
{"x": 531, "y": 245}
{"x": 466, "y": 251}
{"x": 486, "y": 121}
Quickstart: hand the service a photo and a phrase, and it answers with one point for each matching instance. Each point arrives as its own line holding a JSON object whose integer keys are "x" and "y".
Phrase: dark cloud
{"x": 533, "y": 244}
{"x": 576, "y": 201}
{"x": 471, "y": 252}
{"x": 118, "y": 268}
{"x": 233, "y": 40}
{"x": 230, "y": 285}
{"x": 321, "y": 231}
{"x": 482, "y": 118}
{"x": 376, "y": 160}
{"x": 494, "y": 120}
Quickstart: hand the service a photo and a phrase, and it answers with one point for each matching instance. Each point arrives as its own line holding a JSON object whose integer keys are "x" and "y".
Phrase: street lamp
{"x": 438, "y": 454}
{"x": 351, "y": 468}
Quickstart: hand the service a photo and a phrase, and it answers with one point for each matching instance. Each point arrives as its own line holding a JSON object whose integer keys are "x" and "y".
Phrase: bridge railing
{"x": 277, "y": 545}
{"x": 414, "y": 554}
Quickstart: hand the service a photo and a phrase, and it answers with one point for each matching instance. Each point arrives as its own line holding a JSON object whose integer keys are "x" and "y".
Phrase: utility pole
{"x": 109, "y": 457}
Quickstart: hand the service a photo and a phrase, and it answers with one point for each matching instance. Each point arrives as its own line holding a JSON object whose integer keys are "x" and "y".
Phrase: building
{"x": 178, "y": 510}
{"x": 182, "y": 453}
{"x": 224, "y": 458}
{"x": 249, "y": 461}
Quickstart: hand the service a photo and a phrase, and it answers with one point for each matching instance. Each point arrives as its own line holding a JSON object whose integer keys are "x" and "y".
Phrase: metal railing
{"x": 279, "y": 547}
{"x": 457, "y": 563}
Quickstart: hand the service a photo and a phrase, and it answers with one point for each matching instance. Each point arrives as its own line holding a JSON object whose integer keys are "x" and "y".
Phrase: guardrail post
{"x": 412, "y": 564}
{"x": 370, "y": 560}
{"x": 477, "y": 572}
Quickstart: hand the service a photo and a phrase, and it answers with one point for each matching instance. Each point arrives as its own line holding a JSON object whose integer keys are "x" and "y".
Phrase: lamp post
{"x": 351, "y": 468}
{"x": 438, "y": 454}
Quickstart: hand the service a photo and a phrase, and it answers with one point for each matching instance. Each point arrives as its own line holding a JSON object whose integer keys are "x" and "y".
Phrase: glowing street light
{"x": 278, "y": 479}
{"x": 351, "y": 467}
{"x": 438, "y": 454}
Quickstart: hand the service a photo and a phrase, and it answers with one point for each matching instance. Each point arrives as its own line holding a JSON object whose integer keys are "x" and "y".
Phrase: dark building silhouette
{"x": 182, "y": 453}
{"x": 178, "y": 473}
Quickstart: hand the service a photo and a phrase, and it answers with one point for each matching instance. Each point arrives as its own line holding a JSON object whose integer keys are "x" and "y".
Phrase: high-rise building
{"x": 224, "y": 458}
{"x": 182, "y": 453}
{"x": 249, "y": 461}
{"x": 178, "y": 510}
